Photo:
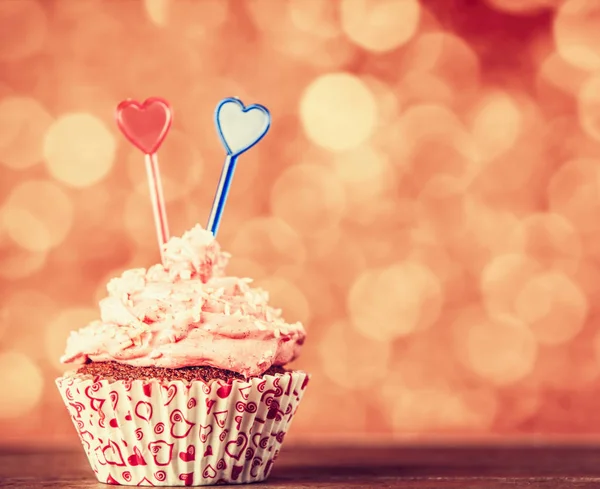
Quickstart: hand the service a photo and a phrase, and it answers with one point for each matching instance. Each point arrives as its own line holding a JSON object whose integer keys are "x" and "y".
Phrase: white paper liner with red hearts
{"x": 177, "y": 433}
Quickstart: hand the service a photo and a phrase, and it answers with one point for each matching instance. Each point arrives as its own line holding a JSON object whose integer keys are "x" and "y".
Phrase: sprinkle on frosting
{"x": 187, "y": 313}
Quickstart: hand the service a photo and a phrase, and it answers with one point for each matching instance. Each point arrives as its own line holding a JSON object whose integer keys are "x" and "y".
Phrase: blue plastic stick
{"x": 239, "y": 128}
{"x": 221, "y": 195}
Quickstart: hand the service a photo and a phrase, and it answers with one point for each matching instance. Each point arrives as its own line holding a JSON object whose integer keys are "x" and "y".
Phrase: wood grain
{"x": 305, "y": 467}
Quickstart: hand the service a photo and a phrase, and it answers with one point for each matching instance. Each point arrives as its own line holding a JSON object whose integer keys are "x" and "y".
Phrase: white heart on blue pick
{"x": 241, "y": 127}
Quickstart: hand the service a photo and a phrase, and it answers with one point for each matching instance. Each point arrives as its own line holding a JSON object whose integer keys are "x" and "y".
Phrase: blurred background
{"x": 427, "y": 201}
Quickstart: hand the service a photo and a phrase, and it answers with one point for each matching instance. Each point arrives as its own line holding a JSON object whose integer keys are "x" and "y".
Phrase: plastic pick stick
{"x": 145, "y": 126}
{"x": 239, "y": 128}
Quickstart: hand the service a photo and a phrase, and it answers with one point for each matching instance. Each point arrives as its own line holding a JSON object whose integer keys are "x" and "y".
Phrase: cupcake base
{"x": 151, "y": 432}
{"x": 121, "y": 371}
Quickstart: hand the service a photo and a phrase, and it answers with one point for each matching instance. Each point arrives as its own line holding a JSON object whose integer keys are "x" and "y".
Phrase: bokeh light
{"x": 451, "y": 63}
{"x": 320, "y": 18}
{"x": 18, "y": 370}
{"x": 550, "y": 239}
{"x": 23, "y": 29}
{"x": 499, "y": 349}
{"x": 269, "y": 241}
{"x": 367, "y": 176}
{"x": 309, "y": 198}
{"x": 576, "y": 33}
{"x": 436, "y": 144}
{"x": 288, "y": 297}
{"x": 338, "y": 111}
{"x": 427, "y": 199}
{"x": 37, "y": 215}
{"x": 79, "y": 150}
{"x": 574, "y": 192}
{"x": 157, "y": 11}
{"x": 23, "y": 124}
{"x": 339, "y": 362}
{"x": 20, "y": 313}
{"x": 305, "y": 33}
{"x": 440, "y": 409}
{"x": 501, "y": 280}
{"x": 589, "y": 107}
{"x": 496, "y": 124}
{"x": 380, "y": 25}
{"x": 564, "y": 77}
{"x": 395, "y": 302}
{"x": 16, "y": 262}
{"x": 194, "y": 19}
{"x": 19, "y": 263}
{"x": 553, "y": 306}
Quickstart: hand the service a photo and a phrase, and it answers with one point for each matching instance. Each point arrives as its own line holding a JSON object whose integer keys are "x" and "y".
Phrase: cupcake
{"x": 182, "y": 381}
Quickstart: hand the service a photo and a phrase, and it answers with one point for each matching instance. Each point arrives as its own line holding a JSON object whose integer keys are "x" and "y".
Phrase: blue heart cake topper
{"x": 239, "y": 128}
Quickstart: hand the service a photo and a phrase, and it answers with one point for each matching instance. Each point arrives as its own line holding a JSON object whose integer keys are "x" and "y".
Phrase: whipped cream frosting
{"x": 187, "y": 312}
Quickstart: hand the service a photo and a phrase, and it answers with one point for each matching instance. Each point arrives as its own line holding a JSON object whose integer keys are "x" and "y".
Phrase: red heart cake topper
{"x": 145, "y": 125}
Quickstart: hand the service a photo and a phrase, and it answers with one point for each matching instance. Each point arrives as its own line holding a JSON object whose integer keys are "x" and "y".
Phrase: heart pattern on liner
{"x": 137, "y": 458}
{"x": 241, "y": 127}
{"x": 162, "y": 438}
{"x": 189, "y": 455}
{"x": 236, "y": 447}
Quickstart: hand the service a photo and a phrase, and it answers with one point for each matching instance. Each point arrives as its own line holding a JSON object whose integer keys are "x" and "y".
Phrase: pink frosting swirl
{"x": 187, "y": 313}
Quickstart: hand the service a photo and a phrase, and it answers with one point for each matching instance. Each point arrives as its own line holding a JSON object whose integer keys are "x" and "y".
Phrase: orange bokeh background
{"x": 427, "y": 201}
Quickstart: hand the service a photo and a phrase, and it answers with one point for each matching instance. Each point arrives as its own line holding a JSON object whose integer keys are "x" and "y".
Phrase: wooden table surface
{"x": 408, "y": 468}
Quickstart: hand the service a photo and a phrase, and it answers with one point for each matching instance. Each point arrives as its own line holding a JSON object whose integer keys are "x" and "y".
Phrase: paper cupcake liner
{"x": 177, "y": 433}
